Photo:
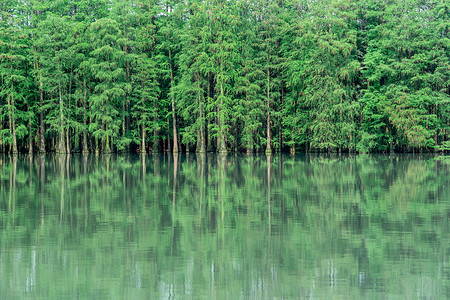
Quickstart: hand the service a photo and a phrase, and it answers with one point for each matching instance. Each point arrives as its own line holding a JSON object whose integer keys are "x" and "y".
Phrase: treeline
{"x": 215, "y": 75}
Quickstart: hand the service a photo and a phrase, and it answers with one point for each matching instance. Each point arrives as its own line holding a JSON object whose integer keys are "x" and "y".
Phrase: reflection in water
{"x": 206, "y": 226}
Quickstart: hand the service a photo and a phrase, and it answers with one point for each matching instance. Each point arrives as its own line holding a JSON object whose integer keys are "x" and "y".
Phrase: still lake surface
{"x": 235, "y": 227}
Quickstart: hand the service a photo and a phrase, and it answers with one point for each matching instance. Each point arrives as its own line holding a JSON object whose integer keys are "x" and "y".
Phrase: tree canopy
{"x": 213, "y": 75}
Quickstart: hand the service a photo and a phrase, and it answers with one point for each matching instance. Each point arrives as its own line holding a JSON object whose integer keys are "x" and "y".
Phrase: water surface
{"x": 211, "y": 227}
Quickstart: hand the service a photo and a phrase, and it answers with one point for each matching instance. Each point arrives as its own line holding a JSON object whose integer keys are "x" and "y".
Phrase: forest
{"x": 101, "y": 76}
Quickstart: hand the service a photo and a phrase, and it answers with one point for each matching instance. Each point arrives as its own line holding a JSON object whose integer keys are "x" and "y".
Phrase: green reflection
{"x": 212, "y": 226}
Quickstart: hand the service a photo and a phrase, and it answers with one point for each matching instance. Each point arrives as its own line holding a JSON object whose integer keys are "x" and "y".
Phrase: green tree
{"x": 55, "y": 40}
{"x": 322, "y": 70}
{"x": 83, "y": 79}
{"x": 109, "y": 91}
{"x": 169, "y": 25}
{"x": 195, "y": 88}
{"x": 249, "y": 107}
{"x": 14, "y": 86}
{"x": 223, "y": 53}
{"x": 145, "y": 72}
{"x": 406, "y": 70}
{"x": 268, "y": 61}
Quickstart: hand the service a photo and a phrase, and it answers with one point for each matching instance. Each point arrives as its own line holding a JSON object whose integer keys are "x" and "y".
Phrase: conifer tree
{"x": 13, "y": 76}
{"x": 169, "y": 25}
{"x": 327, "y": 75}
{"x": 322, "y": 67}
{"x": 109, "y": 91}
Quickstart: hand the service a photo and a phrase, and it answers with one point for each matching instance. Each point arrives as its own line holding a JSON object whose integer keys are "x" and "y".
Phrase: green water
{"x": 208, "y": 227}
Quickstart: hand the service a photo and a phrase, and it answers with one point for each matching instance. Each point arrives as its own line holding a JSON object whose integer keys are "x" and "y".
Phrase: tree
{"x": 109, "y": 90}
{"x": 55, "y": 59}
{"x": 223, "y": 54}
{"x": 268, "y": 60}
{"x": 249, "y": 107}
{"x": 195, "y": 87}
{"x": 83, "y": 78}
{"x": 322, "y": 69}
{"x": 168, "y": 45}
{"x": 14, "y": 80}
{"x": 408, "y": 74}
{"x": 327, "y": 75}
{"x": 144, "y": 68}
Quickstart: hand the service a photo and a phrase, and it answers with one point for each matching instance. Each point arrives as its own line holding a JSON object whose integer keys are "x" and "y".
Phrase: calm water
{"x": 193, "y": 227}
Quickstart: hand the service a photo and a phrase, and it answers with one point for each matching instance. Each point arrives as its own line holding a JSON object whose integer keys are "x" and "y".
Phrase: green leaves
{"x": 321, "y": 70}
{"x": 109, "y": 90}
{"x": 406, "y": 63}
{"x": 327, "y": 75}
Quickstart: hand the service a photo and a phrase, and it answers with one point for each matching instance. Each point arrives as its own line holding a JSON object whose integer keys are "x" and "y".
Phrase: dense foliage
{"x": 215, "y": 75}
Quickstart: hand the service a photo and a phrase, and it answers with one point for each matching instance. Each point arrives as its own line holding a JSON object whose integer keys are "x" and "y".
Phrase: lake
{"x": 234, "y": 227}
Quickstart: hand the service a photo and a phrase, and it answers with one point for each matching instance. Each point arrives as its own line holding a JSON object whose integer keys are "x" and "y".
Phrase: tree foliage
{"x": 215, "y": 75}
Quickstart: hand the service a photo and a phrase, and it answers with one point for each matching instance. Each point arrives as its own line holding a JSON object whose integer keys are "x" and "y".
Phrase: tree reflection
{"x": 254, "y": 227}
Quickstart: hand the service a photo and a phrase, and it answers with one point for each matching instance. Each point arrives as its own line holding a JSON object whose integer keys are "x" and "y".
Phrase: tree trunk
{"x": 105, "y": 141}
{"x": 269, "y": 134}
{"x": 209, "y": 142}
{"x": 30, "y": 138}
{"x": 168, "y": 140}
{"x": 97, "y": 151}
{"x": 156, "y": 144}
{"x": 156, "y": 139}
{"x": 12, "y": 120}
{"x": 172, "y": 96}
{"x": 85, "y": 148}
{"x": 221, "y": 145}
{"x": 61, "y": 147}
{"x": 236, "y": 140}
{"x": 143, "y": 150}
{"x": 107, "y": 149}
{"x": 280, "y": 127}
{"x": 201, "y": 144}
{"x": 174, "y": 125}
{"x": 67, "y": 141}
{"x": 1, "y": 138}
{"x": 127, "y": 101}
{"x": 250, "y": 142}
{"x": 41, "y": 120}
